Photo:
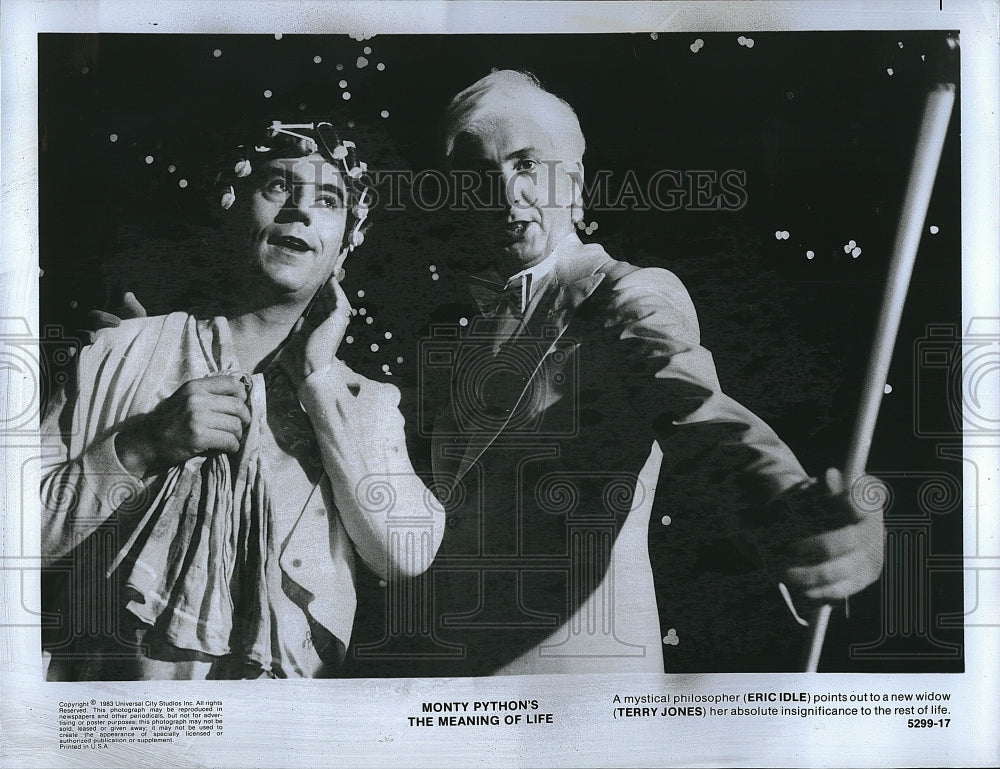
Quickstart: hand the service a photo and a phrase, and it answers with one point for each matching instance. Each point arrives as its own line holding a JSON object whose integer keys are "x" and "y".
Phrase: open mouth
{"x": 290, "y": 243}
{"x": 515, "y": 230}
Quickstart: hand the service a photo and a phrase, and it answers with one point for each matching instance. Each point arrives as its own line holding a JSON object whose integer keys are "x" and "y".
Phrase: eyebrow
{"x": 334, "y": 188}
{"x": 524, "y": 152}
{"x": 274, "y": 168}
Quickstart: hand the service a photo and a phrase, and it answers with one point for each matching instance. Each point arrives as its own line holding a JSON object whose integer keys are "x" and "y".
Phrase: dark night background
{"x": 823, "y": 131}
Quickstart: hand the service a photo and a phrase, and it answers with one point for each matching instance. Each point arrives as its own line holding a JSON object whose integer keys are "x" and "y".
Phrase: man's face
{"x": 298, "y": 213}
{"x": 538, "y": 185}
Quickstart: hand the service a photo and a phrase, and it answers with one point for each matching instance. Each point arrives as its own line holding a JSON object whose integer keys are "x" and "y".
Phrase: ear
{"x": 575, "y": 172}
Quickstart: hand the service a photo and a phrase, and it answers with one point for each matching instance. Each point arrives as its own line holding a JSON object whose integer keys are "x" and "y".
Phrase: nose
{"x": 297, "y": 206}
{"x": 519, "y": 189}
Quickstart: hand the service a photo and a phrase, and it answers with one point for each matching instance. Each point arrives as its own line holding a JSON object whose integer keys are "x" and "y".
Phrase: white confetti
{"x": 317, "y": 59}
{"x": 810, "y": 255}
{"x": 654, "y": 35}
{"x": 388, "y": 335}
{"x": 171, "y": 168}
{"x": 342, "y": 84}
{"x": 749, "y": 42}
{"x": 368, "y": 49}
{"x": 435, "y": 276}
{"x": 362, "y": 311}
{"x": 346, "y": 95}
{"x": 887, "y": 389}
{"x": 349, "y": 339}
{"x": 463, "y": 322}
{"x": 889, "y": 71}
{"x": 84, "y": 70}
{"x": 277, "y": 36}
{"x": 340, "y": 68}
{"x": 361, "y": 293}
{"x": 380, "y": 67}
{"x": 934, "y": 229}
{"x": 385, "y": 367}
{"x": 900, "y": 43}
{"x": 182, "y": 183}
{"x": 855, "y": 252}
{"x": 384, "y": 113}
{"x": 149, "y": 159}
{"x": 217, "y": 53}
{"x": 113, "y": 138}
{"x": 361, "y": 63}
{"x": 432, "y": 268}
{"x": 666, "y": 520}
{"x": 742, "y": 40}
{"x": 399, "y": 359}
{"x": 369, "y": 320}
{"x": 374, "y": 347}
{"x": 267, "y": 94}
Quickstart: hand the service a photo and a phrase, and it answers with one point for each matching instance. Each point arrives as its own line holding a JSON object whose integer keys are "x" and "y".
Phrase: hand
{"x": 841, "y": 561}
{"x": 318, "y": 335}
{"x": 128, "y": 307}
{"x": 202, "y": 416}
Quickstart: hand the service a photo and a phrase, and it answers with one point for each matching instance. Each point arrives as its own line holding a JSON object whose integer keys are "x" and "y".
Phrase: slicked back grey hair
{"x": 504, "y": 91}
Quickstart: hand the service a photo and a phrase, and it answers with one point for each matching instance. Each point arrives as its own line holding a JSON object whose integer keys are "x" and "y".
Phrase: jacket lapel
{"x": 576, "y": 277}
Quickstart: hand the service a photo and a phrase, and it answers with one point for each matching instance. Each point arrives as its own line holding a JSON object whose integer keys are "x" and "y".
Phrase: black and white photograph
{"x": 547, "y": 386}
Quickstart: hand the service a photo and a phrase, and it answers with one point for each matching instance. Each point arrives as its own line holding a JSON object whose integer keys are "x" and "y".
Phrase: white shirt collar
{"x": 547, "y": 264}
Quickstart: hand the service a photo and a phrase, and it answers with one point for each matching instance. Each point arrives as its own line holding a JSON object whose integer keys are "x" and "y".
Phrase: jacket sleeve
{"x": 670, "y": 379}
{"x": 394, "y": 520}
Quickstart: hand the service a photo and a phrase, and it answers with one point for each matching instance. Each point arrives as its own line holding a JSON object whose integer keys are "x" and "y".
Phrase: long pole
{"x": 930, "y": 142}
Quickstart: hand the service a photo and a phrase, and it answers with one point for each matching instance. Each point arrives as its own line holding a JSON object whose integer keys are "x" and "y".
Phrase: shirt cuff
{"x": 102, "y": 459}
{"x": 337, "y": 382}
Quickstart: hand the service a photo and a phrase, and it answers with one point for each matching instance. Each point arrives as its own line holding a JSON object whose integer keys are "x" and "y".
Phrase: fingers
{"x": 98, "y": 319}
{"x": 835, "y": 579}
{"x": 220, "y": 440}
{"x": 834, "y": 481}
{"x": 131, "y": 307}
{"x": 219, "y": 384}
{"x": 229, "y": 406}
{"x": 837, "y": 564}
{"x": 225, "y": 423}
{"x": 831, "y": 544}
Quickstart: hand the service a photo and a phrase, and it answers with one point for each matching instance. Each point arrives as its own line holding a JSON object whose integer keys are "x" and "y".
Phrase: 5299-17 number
{"x": 927, "y": 723}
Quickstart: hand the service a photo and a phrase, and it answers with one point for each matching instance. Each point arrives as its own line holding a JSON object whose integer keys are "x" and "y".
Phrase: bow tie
{"x": 494, "y": 298}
